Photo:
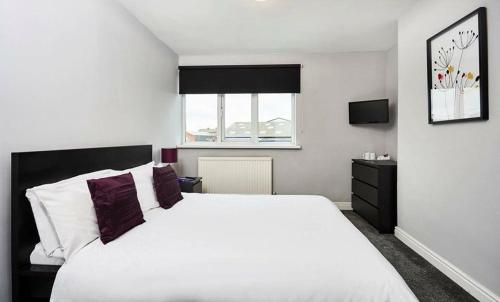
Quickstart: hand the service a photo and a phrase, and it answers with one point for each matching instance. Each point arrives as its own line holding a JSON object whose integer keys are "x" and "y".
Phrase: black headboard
{"x": 30, "y": 169}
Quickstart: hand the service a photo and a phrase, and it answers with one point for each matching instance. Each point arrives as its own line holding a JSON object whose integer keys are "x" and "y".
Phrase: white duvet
{"x": 234, "y": 248}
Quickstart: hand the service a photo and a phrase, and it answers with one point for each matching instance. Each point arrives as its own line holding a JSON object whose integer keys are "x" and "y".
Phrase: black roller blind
{"x": 239, "y": 79}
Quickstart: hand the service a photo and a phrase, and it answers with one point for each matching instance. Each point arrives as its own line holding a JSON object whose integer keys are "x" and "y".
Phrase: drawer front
{"x": 366, "y": 210}
{"x": 365, "y": 191}
{"x": 189, "y": 187}
{"x": 365, "y": 173}
{"x": 36, "y": 287}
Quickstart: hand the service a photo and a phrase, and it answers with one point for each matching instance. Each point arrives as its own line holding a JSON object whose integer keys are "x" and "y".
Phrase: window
{"x": 237, "y": 117}
{"x": 201, "y": 118}
{"x": 222, "y": 109}
{"x": 266, "y": 119}
{"x": 275, "y": 117}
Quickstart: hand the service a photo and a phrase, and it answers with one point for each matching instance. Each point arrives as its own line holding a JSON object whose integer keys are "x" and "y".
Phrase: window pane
{"x": 275, "y": 117}
{"x": 201, "y": 117}
{"x": 238, "y": 116}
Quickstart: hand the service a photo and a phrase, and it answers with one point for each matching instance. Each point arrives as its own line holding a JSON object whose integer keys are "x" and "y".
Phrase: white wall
{"x": 78, "y": 74}
{"x": 328, "y": 142}
{"x": 448, "y": 175}
{"x": 391, "y": 89}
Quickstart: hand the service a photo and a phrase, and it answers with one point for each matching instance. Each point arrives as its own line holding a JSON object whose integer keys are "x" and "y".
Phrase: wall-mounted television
{"x": 369, "y": 112}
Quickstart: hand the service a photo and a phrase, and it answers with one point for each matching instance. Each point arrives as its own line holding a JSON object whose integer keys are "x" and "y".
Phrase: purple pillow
{"x": 168, "y": 191}
{"x": 116, "y": 205}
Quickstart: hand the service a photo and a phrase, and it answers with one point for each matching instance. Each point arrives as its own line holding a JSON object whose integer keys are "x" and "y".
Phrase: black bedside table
{"x": 190, "y": 184}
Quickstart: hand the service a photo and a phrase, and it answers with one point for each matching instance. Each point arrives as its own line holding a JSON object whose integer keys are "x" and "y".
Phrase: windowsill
{"x": 236, "y": 146}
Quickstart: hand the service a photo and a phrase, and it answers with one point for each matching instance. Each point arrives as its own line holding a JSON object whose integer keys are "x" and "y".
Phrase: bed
{"x": 220, "y": 247}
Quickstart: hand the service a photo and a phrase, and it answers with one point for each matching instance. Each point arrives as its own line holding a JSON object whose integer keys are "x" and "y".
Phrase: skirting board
{"x": 344, "y": 206}
{"x": 473, "y": 287}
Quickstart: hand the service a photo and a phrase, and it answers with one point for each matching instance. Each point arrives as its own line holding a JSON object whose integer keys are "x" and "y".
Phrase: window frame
{"x": 251, "y": 143}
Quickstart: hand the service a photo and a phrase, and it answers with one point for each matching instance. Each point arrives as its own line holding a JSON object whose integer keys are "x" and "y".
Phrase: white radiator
{"x": 242, "y": 175}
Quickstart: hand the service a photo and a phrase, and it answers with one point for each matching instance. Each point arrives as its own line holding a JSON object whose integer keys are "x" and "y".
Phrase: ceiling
{"x": 252, "y": 27}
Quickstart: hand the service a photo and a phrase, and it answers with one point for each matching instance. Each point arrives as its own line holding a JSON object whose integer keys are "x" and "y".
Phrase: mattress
{"x": 212, "y": 247}
{"x": 39, "y": 257}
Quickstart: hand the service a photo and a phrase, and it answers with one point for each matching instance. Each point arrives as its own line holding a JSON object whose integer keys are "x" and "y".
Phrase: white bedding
{"x": 39, "y": 257}
{"x": 211, "y": 247}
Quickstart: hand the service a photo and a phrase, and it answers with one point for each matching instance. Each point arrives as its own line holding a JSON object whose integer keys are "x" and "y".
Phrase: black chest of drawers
{"x": 374, "y": 192}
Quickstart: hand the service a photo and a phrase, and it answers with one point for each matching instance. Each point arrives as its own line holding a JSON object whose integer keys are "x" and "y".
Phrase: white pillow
{"x": 71, "y": 210}
{"x": 48, "y": 236}
{"x": 143, "y": 179}
{"x": 72, "y": 213}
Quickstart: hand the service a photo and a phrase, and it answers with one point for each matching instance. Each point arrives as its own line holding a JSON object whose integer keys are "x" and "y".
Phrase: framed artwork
{"x": 457, "y": 71}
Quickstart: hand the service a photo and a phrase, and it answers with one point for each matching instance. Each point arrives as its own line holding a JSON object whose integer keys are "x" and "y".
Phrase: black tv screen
{"x": 367, "y": 112}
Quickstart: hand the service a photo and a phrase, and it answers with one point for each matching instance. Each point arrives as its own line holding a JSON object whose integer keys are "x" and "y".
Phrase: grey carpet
{"x": 426, "y": 281}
